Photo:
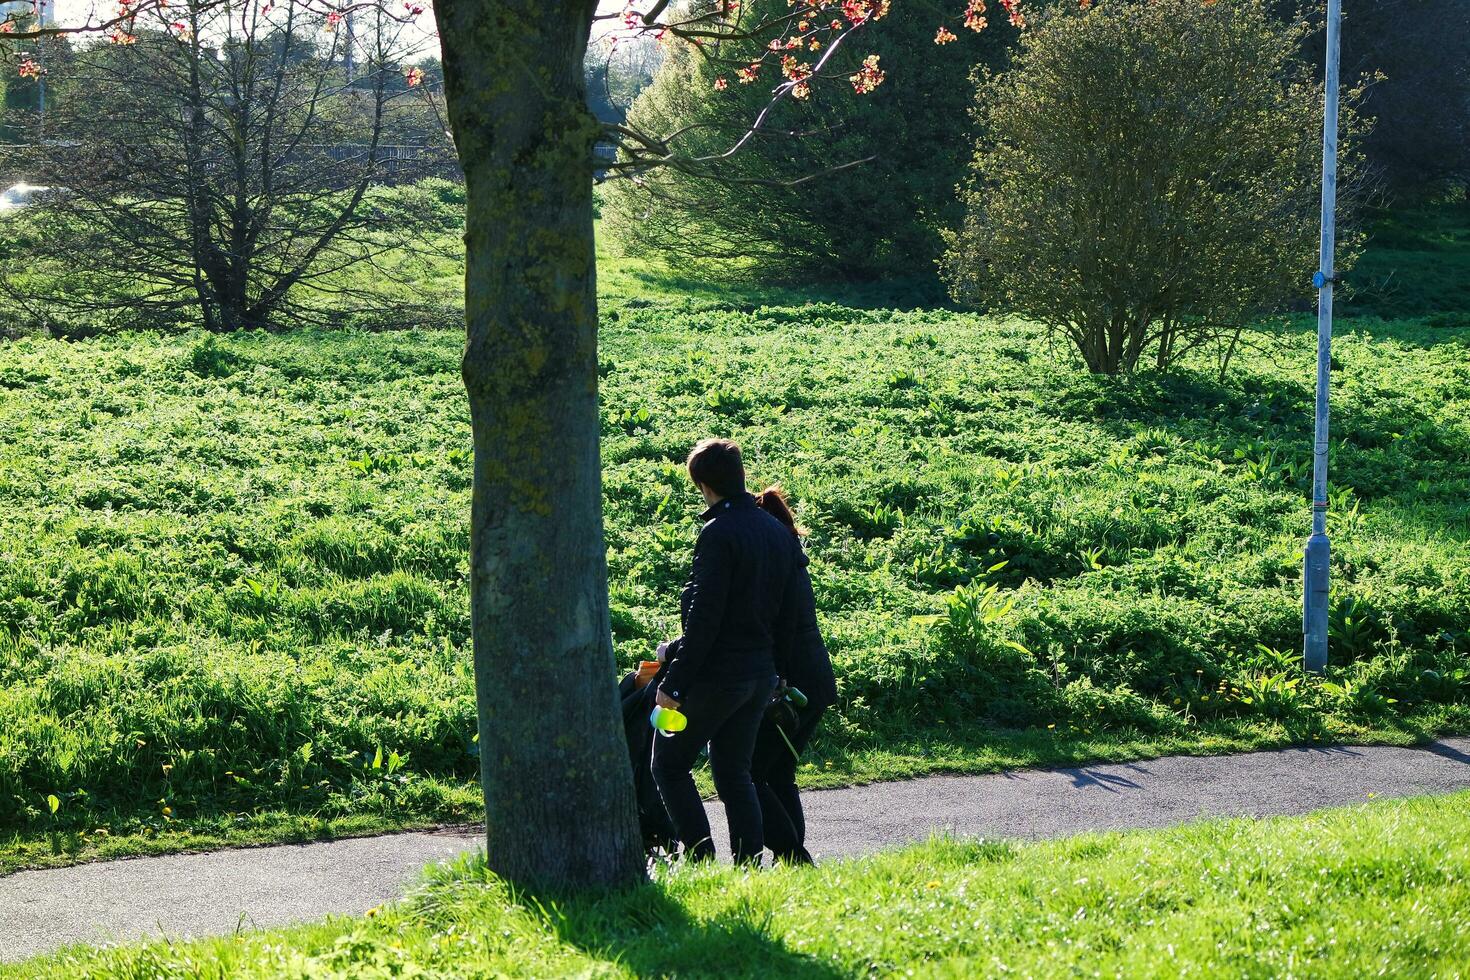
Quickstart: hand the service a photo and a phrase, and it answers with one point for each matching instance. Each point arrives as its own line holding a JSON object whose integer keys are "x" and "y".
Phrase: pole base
{"x": 1315, "y": 572}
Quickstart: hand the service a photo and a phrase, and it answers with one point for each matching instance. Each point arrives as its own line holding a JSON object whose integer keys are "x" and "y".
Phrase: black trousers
{"x": 773, "y": 769}
{"x": 726, "y": 716}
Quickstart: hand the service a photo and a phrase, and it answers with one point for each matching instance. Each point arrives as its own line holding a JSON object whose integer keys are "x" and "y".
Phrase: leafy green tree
{"x": 786, "y": 205}
{"x": 1148, "y": 179}
{"x": 21, "y": 101}
{"x": 22, "y": 97}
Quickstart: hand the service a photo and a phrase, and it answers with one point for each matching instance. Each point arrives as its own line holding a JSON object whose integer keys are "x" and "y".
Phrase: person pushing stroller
{"x": 720, "y": 673}
{"x": 748, "y": 597}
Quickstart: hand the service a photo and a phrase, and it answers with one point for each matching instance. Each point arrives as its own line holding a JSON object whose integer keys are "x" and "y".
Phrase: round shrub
{"x": 1147, "y": 178}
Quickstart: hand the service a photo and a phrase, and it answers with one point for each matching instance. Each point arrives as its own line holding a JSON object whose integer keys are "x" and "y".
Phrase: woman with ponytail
{"x": 807, "y": 689}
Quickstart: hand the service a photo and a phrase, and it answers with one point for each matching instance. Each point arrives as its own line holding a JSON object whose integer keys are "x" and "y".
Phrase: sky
{"x": 77, "y": 11}
{"x": 74, "y": 12}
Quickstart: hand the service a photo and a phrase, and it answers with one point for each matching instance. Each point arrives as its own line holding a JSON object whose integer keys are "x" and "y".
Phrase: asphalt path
{"x": 219, "y": 892}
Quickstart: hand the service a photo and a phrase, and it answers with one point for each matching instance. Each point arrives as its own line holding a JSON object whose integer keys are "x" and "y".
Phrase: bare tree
{"x": 219, "y": 164}
{"x": 617, "y": 70}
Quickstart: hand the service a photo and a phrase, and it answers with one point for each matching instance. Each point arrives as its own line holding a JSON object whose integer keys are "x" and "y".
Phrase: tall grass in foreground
{"x": 1375, "y": 890}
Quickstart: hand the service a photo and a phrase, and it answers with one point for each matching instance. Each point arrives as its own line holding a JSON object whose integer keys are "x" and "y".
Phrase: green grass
{"x": 1417, "y": 265}
{"x": 232, "y": 571}
{"x": 1370, "y": 890}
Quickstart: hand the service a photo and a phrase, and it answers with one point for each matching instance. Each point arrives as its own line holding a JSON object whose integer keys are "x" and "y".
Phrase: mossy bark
{"x": 558, "y": 791}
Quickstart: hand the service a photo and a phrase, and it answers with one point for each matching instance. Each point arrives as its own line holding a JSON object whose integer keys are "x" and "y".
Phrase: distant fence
{"x": 393, "y": 162}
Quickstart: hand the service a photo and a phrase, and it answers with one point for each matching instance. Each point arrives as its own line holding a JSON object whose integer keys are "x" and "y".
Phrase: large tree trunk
{"x": 558, "y": 790}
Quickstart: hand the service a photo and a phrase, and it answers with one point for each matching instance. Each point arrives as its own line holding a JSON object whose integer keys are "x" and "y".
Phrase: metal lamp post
{"x": 1317, "y": 565}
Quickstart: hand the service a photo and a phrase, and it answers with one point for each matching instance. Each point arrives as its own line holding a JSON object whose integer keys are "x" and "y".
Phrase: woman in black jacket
{"x": 788, "y": 726}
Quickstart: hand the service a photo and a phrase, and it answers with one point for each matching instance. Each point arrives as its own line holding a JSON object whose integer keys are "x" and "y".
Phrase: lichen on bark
{"x": 558, "y": 790}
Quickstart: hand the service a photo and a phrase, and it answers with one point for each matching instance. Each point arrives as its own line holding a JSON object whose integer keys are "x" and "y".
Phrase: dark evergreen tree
{"x": 909, "y": 139}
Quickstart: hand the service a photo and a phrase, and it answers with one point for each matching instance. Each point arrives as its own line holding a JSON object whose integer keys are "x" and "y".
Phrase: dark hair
{"x": 773, "y": 501}
{"x": 716, "y": 463}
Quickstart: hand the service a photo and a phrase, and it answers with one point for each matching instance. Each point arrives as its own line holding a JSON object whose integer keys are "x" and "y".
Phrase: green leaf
{"x": 53, "y": 802}
{"x": 378, "y": 759}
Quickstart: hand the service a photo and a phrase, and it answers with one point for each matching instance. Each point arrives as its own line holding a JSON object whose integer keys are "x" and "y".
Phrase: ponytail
{"x": 773, "y": 501}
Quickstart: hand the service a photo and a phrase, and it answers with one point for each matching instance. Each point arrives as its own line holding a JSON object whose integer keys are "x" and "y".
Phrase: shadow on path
{"x": 1096, "y": 778}
{"x": 730, "y": 933}
{"x": 1447, "y": 752}
{"x": 1325, "y": 750}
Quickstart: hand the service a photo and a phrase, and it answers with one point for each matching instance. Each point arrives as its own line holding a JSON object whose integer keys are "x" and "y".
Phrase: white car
{"x": 23, "y": 195}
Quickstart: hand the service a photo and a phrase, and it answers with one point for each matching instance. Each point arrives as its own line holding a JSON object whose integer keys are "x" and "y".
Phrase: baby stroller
{"x": 637, "y": 690}
{"x": 778, "y": 729}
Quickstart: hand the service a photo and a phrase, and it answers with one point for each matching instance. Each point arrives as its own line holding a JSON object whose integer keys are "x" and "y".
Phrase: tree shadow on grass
{"x": 1196, "y": 404}
{"x": 747, "y": 295}
{"x": 1438, "y": 329}
{"x": 1392, "y": 455}
{"x": 651, "y": 934}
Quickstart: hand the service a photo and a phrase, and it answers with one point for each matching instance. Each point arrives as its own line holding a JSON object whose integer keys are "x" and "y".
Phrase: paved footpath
{"x": 219, "y": 892}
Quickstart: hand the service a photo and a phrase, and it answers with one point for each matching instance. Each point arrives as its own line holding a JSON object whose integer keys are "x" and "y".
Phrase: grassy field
{"x": 1375, "y": 890}
{"x": 232, "y": 571}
